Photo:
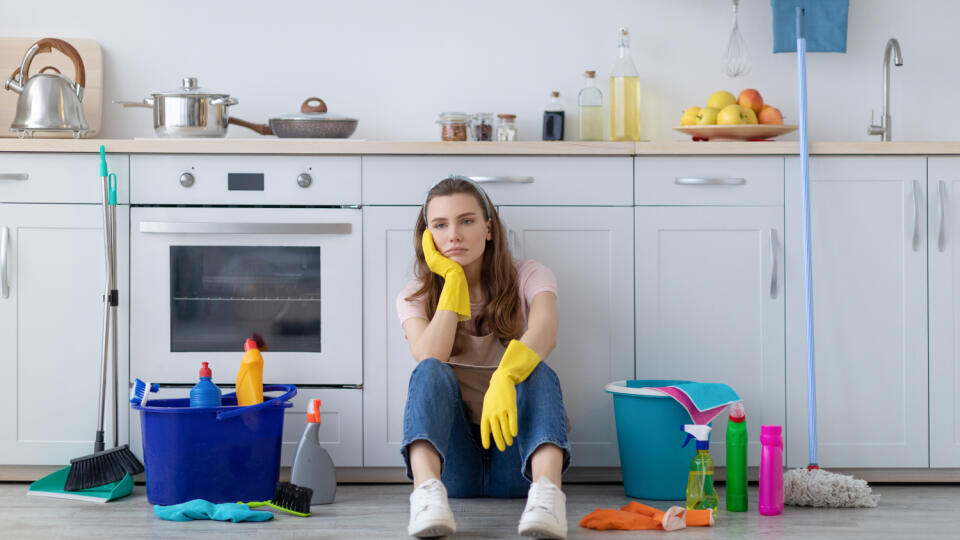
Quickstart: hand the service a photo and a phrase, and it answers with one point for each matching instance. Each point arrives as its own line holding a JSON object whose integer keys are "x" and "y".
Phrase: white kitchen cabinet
{"x": 50, "y": 325}
{"x": 943, "y": 231}
{"x": 869, "y": 246}
{"x": 595, "y": 344}
{"x": 709, "y": 304}
{"x": 589, "y": 249}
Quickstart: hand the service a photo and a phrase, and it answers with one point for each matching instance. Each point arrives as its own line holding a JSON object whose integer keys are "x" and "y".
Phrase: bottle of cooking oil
{"x": 590, "y": 109}
{"x": 700, "y": 492}
{"x": 624, "y": 94}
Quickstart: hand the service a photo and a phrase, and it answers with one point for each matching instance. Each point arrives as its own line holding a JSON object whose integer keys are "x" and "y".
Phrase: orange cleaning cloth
{"x": 635, "y": 516}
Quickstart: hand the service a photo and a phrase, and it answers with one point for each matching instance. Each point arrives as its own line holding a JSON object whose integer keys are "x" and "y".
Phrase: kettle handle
{"x": 46, "y": 45}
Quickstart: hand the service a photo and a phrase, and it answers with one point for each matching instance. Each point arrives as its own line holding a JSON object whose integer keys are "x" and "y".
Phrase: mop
{"x": 813, "y": 486}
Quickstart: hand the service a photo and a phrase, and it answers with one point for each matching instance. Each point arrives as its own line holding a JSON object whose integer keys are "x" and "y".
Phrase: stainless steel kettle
{"x": 48, "y": 101}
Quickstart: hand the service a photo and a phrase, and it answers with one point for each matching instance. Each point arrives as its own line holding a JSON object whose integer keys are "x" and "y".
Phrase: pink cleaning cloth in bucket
{"x": 698, "y": 416}
{"x": 702, "y": 401}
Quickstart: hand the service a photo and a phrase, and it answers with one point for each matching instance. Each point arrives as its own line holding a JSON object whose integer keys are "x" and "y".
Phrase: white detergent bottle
{"x": 312, "y": 465}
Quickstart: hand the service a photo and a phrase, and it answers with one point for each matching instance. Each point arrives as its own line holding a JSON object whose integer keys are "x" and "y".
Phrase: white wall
{"x": 395, "y": 64}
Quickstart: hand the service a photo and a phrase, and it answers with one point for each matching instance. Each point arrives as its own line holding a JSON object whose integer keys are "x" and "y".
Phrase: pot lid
{"x": 315, "y": 109}
{"x": 189, "y": 88}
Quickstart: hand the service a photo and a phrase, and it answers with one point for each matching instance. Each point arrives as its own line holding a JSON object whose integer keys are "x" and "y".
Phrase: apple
{"x": 751, "y": 116}
{"x": 750, "y": 99}
{"x": 707, "y": 116}
{"x": 719, "y": 100}
{"x": 731, "y": 115}
{"x": 689, "y": 117}
{"x": 770, "y": 115}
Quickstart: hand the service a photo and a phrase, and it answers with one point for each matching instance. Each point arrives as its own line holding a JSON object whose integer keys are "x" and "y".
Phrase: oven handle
{"x": 185, "y": 227}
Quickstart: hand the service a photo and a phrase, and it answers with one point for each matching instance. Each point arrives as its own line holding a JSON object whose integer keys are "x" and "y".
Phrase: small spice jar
{"x": 506, "y": 127}
{"x": 482, "y": 126}
{"x": 453, "y": 126}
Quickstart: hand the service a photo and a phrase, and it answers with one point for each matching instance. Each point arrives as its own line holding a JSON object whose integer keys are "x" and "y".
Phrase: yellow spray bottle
{"x": 250, "y": 376}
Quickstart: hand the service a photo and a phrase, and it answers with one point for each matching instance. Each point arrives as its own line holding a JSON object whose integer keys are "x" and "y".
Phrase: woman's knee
{"x": 543, "y": 375}
{"x": 433, "y": 374}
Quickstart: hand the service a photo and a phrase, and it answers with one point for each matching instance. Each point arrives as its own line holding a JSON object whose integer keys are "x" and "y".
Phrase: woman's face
{"x": 458, "y": 228}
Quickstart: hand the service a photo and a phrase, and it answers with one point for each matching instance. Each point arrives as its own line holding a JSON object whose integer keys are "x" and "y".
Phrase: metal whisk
{"x": 736, "y": 59}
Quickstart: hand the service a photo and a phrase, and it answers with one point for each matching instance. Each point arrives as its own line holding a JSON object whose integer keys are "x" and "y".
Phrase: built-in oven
{"x": 214, "y": 266}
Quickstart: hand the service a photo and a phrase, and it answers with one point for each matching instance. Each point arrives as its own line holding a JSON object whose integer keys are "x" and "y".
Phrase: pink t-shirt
{"x": 533, "y": 278}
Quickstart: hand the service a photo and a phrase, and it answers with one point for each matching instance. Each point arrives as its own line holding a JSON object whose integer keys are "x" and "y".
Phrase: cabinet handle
{"x": 709, "y": 181}
{"x": 4, "y": 247}
{"x": 180, "y": 227}
{"x": 514, "y": 242}
{"x": 502, "y": 179}
{"x": 942, "y": 234}
{"x": 14, "y": 176}
{"x": 773, "y": 263}
{"x": 916, "y": 215}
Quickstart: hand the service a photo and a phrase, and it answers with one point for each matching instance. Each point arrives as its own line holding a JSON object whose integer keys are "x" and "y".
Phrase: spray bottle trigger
{"x": 689, "y": 436}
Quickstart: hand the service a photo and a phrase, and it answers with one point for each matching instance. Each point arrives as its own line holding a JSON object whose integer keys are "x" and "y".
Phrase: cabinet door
{"x": 944, "y": 260}
{"x": 387, "y": 362}
{"x": 868, "y": 217}
{"x": 50, "y": 325}
{"x": 590, "y": 252}
{"x": 710, "y": 306}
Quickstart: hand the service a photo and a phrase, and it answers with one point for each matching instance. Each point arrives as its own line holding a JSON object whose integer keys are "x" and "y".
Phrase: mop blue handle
{"x": 807, "y": 264}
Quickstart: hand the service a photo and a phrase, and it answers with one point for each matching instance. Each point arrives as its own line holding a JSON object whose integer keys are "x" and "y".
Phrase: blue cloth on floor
{"x": 201, "y": 509}
{"x": 826, "y": 25}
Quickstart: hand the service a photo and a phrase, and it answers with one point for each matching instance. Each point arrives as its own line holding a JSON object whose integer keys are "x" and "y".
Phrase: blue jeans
{"x": 435, "y": 413}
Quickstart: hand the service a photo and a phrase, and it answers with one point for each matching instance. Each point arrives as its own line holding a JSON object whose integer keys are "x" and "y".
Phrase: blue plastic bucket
{"x": 652, "y": 460}
{"x": 220, "y": 454}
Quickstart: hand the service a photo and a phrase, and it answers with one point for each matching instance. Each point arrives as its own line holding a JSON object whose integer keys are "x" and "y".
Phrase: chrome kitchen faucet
{"x": 884, "y": 129}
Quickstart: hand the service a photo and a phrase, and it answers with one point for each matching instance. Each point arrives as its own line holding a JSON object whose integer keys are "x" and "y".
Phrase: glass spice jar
{"x": 506, "y": 127}
{"x": 453, "y": 126}
{"x": 482, "y": 127}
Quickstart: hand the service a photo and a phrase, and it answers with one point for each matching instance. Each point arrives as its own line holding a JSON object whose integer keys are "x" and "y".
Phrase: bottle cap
{"x": 205, "y": 370}
{"x": 250, "y": 344}
{"x": 590, "y": 74}
{"x": 737, "y": 412}
{"x": 313, "y": 413}
{"x": 703, "y": 445}
{"x": 555, "y": 93}
{"x": 772, "y": 431}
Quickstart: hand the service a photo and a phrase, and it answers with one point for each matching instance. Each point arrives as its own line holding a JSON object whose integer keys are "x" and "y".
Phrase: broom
{"x": 106, "y": 466}
{"x": 814, "y": 486}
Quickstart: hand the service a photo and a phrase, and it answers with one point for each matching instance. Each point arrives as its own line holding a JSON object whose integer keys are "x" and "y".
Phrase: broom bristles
{"x": 101, "y": 468}
{"x": 824, "y": 489}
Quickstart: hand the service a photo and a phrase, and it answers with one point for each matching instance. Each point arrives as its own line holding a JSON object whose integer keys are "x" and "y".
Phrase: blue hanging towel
{"x": 826, "y": 24}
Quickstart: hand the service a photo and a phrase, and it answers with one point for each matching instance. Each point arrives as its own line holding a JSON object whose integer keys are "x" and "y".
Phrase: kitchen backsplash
{"x": 396, "y": 65}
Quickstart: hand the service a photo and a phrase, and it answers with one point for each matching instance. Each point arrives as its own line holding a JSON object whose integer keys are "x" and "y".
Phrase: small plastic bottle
{"x": 771, "y": 471}
{"x": 553, "y": 119}
{"x": 700, "y": 492}
{"x": 590, "y": 109}
{"x": 312, "y": 466}
{"x": 250, "y": 375}
{"x": 736, "y": 492}
{"x": 205, "y": 393}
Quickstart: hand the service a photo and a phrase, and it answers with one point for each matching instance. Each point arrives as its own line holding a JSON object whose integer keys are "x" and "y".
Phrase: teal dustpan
{"x": 52, "y": 486}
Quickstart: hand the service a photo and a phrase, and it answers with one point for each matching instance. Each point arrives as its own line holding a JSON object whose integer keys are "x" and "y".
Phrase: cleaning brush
{"x": 290, "y": 498}
{"x": 139, "y": 391}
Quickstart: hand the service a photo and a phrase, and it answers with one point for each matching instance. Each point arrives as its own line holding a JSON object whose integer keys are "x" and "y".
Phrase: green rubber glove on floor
{"x": 499, "y": 415}
{"x": 455, "y": 296}
{"x": 201, "y": 509}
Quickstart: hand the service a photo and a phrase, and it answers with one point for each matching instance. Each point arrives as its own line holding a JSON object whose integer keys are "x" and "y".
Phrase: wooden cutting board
{"x": 12, "y": 50}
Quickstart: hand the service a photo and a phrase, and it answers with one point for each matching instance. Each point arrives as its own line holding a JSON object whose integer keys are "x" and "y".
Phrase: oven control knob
{"x": 186, "y": 179}
{"x": 304, "y": 180}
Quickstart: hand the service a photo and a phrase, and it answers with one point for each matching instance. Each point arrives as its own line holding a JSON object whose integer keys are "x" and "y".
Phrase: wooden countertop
{"x": 529, "y": 148}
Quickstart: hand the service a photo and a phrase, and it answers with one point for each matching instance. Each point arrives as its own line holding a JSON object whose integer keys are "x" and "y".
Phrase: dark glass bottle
{"x": 553, "y": 119}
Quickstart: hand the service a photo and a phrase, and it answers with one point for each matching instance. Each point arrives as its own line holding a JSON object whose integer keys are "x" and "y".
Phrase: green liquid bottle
{"x": 737, "y": 459}
{"x": 700, "y": 492}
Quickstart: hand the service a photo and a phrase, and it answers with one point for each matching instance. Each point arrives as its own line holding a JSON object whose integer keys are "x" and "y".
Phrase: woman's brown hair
{"x": 501, "y": 315}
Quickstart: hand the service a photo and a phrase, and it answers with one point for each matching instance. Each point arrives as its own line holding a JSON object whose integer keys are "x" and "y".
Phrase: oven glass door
{"x": 203, "y": 280}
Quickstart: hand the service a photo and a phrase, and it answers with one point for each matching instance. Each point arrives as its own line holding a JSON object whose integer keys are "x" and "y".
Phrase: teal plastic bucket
{"x": 650, "y": 438}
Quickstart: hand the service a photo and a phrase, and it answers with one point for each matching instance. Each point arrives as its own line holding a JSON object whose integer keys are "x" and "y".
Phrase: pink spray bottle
{"x": 771, "y": 471}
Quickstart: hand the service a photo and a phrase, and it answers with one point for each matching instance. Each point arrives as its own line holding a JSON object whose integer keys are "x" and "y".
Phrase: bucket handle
{"x": 280, "y": 401}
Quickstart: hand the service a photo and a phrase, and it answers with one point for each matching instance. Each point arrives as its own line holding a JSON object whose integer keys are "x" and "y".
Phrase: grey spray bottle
{"x": 312, "y": 465}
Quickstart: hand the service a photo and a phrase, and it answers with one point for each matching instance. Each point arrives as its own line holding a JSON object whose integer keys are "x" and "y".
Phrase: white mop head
{"x": 817, "y": 487}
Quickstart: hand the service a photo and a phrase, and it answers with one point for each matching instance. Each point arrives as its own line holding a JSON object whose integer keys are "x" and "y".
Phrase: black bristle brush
{"x": 289, "y": 498}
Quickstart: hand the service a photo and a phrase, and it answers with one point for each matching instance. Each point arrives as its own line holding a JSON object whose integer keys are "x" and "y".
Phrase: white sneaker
{"x": 430, "y": 513}
{"x": 545, "y": 515}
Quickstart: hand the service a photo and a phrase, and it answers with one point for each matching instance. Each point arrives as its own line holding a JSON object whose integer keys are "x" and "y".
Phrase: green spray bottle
{"x": 700, "y": 492}
{"x": 737, "y": 459}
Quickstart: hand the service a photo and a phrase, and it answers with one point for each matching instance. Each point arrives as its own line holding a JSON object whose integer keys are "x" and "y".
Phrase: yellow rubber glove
{"x": 499, "y": 415}
{"x": 455, "y": 296}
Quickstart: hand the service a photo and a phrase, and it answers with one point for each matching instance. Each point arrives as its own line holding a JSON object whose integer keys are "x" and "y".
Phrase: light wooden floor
{"x": 381, "y": 511}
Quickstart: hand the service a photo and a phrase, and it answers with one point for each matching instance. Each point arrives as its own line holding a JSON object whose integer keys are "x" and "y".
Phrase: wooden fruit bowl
{"x": 740, "y": 132}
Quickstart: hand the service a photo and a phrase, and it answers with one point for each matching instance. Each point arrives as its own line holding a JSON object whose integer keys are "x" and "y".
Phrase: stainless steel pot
{"x": 189, "y": 111}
